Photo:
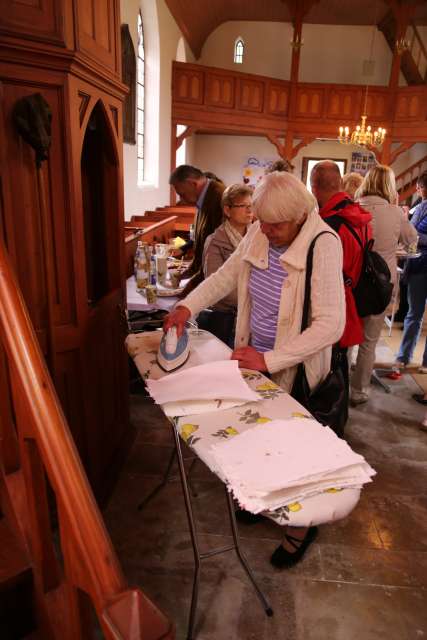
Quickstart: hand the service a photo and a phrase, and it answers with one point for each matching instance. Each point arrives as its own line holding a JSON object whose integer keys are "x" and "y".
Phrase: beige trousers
{"x": 361, "y": 377}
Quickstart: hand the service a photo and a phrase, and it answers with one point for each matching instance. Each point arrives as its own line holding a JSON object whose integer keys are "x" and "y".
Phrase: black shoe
{"x": 419, "y": 397}
{"x": 281, "y": 558}
{"x": 246, "y": 517}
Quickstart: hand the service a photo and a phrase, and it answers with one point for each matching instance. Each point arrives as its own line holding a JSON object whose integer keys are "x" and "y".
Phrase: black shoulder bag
{"x": 328, "y": 402}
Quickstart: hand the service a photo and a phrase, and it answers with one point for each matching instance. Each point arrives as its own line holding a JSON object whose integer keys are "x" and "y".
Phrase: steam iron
{"x": 173, "y": 351}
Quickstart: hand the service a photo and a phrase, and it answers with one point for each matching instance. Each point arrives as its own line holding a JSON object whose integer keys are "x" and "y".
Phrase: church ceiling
{"x": 197, "y": 19}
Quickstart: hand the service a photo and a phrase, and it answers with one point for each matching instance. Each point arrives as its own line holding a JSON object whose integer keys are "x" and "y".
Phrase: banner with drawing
{"x": 254, "y": 169}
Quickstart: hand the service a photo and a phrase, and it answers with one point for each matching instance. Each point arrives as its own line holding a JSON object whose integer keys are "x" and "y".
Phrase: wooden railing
{"x": 49, "y": 504}
{"x": 406, "y": 181}
{"x": 226, "y": 101}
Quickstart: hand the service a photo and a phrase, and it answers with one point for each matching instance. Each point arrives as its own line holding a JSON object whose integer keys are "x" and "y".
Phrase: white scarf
{"x": 232, "y": 234}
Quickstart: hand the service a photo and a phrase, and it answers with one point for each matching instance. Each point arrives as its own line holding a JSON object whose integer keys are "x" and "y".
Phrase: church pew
{"x": 183, "y": 221}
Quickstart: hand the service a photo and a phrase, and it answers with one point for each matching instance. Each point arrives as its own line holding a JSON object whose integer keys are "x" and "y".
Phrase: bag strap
{"x": 353, "y": 231}
{"x": 308, "y": 272}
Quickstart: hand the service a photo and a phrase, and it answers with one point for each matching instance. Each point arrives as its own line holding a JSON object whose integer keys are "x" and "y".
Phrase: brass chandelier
{"x": 363, "y": 135}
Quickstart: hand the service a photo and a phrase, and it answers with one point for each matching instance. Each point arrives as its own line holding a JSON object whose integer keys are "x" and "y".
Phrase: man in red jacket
{"x": 334, "y": 205}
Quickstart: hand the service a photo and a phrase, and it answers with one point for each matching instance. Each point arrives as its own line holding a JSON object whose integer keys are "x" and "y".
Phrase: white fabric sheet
{"x": 220, "y": 380}
{"x": 287, "y": 460}
{"x": 197, "y": 407}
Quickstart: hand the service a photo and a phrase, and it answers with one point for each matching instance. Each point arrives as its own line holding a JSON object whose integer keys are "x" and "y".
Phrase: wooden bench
{"x": 183, "y": 219}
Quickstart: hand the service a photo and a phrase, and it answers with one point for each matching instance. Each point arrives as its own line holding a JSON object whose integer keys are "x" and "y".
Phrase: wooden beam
{"x": 403, "y": 13}
{"x": 188, "y": 131}
{"x": 279, "y": 146}
{"x": 304, "y": 142}
{"x": 404, "y": 146}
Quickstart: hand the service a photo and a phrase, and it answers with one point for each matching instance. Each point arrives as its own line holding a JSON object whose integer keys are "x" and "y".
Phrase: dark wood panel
{"x": 9, "y": 448}
{"x": 309, "y": 102}
{"x": 105, "y": 372}
{"x": 25, "y": 210}
{"x": 277, "y": 99}
{"x": 71, "y": 393}
{"x": 250, "y": 96}
{"x": 35, "y": 19}
{"x": 220, "y": 90}
{"x": 188, "y": 85}
{"x": 97, "y": 26}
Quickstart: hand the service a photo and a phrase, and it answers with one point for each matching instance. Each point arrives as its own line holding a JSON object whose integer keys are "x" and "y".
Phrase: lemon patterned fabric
{"x": 200, "y": 432}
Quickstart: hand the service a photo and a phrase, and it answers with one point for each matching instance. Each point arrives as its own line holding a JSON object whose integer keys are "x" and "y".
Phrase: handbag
{"x": 328, "y": 402}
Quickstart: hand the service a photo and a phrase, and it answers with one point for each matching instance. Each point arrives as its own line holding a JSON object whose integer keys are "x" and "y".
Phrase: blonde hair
{"x": 351, "y": 182}
{"x": 281, "y": 197}
{"x": 379, "y": 181}
{"x": 234, "y": 191}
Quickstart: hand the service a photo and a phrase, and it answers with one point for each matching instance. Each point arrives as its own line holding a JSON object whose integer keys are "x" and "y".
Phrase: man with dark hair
{"x": 194, "y": 188}
{"x": 336, "y": 209}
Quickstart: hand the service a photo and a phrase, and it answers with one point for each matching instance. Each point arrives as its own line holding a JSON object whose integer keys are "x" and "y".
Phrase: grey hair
{"x": 281, "y": 197}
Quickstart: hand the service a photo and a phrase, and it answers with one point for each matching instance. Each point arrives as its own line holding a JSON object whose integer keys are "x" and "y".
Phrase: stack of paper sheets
{"x": 215, "y": 385}
{"x": 285, "y": 461}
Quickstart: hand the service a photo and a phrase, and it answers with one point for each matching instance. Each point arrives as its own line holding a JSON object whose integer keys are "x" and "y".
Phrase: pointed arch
{"x": 239, "y": 50}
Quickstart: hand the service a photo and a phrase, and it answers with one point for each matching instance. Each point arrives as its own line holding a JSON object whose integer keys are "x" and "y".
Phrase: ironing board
{"x": 200, "y": 431}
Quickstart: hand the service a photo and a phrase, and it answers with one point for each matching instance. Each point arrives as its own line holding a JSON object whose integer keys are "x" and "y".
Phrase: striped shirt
{"x": 265, "y": 288}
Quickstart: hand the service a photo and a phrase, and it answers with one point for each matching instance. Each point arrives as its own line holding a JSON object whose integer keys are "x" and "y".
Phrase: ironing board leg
{"x": 192, "y": 525}
{"x": 166, "y": 478}
{"x": 164, "y": 481}
{"x": 267, "y": 608}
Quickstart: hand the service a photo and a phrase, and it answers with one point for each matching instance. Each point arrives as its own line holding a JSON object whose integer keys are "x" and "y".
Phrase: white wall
{"x": 226, "y": 155}
{"x": 161, "y": 41}
{"x": 271, "y": 59}
{"x": 330, "y": 53}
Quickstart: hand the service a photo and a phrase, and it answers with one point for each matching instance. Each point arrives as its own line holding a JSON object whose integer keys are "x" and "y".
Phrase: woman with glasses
{"x": 220, "y": 318}
{"x": 269, "y": 269}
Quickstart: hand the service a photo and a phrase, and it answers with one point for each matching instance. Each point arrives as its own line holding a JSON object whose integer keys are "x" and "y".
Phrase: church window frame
{"x": 239, "y": 50}
{"x": 140, "y": 101}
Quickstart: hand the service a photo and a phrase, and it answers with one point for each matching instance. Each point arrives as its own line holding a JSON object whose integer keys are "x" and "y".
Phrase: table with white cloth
{"x": 136, "y": 300}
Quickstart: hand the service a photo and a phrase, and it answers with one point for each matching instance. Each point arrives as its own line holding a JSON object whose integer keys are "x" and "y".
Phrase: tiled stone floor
{"x": 365, "y": 577}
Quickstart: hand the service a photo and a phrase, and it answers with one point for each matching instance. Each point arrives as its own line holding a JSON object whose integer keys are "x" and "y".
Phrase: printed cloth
{"x": 202, "y": 432}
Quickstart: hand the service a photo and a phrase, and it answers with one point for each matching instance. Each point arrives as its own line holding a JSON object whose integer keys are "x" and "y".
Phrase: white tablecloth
{"x": 138, "y": 302}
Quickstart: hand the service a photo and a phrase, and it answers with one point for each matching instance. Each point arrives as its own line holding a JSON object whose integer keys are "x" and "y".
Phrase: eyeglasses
{"x": 248, "y": 207}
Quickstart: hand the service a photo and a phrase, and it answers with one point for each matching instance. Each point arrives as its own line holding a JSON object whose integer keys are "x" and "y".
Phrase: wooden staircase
{"x": 406, "y": 181}
{"x": 414, "y": 59}
{"x": 60, "y": 578}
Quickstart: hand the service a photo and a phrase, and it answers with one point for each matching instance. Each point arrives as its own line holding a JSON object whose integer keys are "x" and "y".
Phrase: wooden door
{"x": 105, "y": 364}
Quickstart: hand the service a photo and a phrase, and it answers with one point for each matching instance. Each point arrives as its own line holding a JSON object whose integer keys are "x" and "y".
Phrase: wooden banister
{"x": 406, "y": 181}
{"x": 46, "y": 447}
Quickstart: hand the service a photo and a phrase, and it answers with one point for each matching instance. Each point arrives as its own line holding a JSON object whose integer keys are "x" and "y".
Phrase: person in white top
{"x": 390, "y": 226}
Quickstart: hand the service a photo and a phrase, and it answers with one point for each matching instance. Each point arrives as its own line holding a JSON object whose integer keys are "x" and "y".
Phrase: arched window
{"x": 140, "y": 101}
{"x": 239, "y": 47}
